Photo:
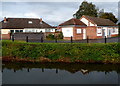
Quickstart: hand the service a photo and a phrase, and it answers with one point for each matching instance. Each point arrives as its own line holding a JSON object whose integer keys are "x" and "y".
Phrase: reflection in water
{"x": 60, "y": 73}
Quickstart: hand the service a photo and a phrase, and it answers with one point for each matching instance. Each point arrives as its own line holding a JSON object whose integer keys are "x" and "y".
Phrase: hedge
{"x": 53, "y": 51}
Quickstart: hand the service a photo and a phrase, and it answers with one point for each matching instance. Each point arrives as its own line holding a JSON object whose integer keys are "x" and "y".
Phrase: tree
{"x": 86, "y": 9}
{"x": 110, "y": 16}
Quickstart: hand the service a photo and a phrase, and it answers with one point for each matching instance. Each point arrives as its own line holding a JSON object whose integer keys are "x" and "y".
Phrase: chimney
{"x": 40, "y": 20}
{"x": 5, "y": 19}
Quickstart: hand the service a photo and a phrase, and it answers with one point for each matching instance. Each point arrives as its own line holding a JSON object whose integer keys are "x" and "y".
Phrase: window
{"x": 113, "y": 30}
{"x": 99, "y": 31}
{"x": 11, "y": 31}
{"x": 47, "y": 30}
{"x": 21, "y": 30}
{"x": 57, "y": 30}
{"x": 16, "y": 30}
{"x": 68, "y": 30}
{"x": 78, "y": 31}
{"x": 33, "y": 30}
{"x": 26, "y": 30}
{"x": 30, "y": 22}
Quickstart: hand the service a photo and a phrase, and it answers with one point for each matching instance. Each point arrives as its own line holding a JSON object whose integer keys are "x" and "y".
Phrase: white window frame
{"x": 99, "y": 31}
{"x": 79, "y": 31}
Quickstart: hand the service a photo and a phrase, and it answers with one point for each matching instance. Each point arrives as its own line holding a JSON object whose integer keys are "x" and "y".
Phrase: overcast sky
{"x": 53, "y": 13}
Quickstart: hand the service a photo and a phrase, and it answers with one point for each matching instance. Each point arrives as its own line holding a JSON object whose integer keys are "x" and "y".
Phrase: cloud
{"x": 31, "y": 15}
{"x": 108, "y": 7}
{"x": 58, "y": 0}
{"x": 53, "y": 13}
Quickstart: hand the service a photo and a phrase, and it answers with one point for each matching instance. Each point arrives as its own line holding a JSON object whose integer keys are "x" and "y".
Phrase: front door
{"x": 109, "y": 33}
{"x": 103, "y": 33}
{"x": 84, "y": 33}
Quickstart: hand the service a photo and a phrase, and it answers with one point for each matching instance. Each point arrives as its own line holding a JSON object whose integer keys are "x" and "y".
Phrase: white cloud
{"x": 58, "y": 0}
{"x": 53, "y": 13}
{"x": 31, "y": 15}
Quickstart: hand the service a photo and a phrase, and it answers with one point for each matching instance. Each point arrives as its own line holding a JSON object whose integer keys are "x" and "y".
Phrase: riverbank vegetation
{"x": 61, "y": 52}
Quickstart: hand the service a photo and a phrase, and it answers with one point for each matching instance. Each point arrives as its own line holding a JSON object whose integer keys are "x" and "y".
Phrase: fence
{"x": 31, "y": 37}
{"x": 28, "y": 36}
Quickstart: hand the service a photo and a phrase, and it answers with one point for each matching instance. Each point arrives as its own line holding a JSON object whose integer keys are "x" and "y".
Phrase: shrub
{"x": 50, "y": 36}
{"x": 74, "y": 51}
{"x": 60, "y": 35}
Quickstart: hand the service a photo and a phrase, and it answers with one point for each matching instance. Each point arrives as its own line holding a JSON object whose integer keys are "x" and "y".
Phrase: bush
{"x": 74, "y": 51}
{"x": 60, "y": 36}
{"x": 50, "y": 36}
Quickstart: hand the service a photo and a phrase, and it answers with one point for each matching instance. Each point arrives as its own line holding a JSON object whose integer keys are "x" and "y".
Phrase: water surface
{"x": 60, "y": 73}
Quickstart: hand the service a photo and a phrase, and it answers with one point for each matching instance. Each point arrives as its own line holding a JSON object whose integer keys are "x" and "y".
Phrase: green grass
{"x": 53, "y": 51}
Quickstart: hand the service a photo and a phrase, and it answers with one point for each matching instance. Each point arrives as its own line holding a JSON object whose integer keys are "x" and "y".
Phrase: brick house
{"x": 93, "y": 27}
{"x": 14, "y": 25}
{"x": 73, "y": 27}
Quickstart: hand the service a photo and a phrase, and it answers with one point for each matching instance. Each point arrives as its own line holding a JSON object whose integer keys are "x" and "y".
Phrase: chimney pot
{"x": 40, "y": 20}
{"x": 5, "y": 19}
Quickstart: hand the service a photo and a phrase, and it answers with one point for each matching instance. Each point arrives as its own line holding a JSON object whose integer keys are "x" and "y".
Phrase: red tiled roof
{"x": 73, "y": 21}
{"x": 17, "y": 23}
{"x": 100, "y": 21}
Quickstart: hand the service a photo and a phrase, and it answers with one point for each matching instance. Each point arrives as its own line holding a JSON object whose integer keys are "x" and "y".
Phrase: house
{"x": 87, "y": 26}
{"x": 99, "y": 27}
{"x": 14, "y": 25}
{"x": 73, "y": 27}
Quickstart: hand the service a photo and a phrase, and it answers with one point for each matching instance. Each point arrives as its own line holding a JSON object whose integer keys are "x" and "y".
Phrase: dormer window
{"x": 30, "y": 22}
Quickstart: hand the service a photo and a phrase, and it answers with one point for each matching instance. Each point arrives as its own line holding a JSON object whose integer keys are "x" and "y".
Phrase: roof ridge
{"x": 100, "y": 21}
{"x": 21, "y": 18}
{"x": 74, "y": 21}
{"x": 97, "y": 17}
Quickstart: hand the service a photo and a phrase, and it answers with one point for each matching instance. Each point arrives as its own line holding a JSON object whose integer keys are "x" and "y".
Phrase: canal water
{"x": 60, "y": 73}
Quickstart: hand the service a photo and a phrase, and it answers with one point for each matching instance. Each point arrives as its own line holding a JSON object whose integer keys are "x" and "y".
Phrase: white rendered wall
{"x": 38, "y": 30}
{"x": 84, "y": 20}
{"x": 5, "y": 31}
{"x": 33, "y": 30}
{"x": 67, "y": 32}
{"x": 91, "y": 24}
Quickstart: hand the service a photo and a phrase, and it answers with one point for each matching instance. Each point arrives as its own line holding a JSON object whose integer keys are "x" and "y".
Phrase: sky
{"x": 52, "y": 12}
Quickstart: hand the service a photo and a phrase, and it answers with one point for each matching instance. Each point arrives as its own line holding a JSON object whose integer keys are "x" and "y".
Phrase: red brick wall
{"x": 114, "y": 35}
{"x": 67, "y": 38}
{"x": 91, "y": 32}
{"x": 77, "y": 36}
{"x": 5, "y": 36}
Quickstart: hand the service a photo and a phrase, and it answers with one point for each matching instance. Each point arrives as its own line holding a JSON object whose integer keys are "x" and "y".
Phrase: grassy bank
{"x": 61, "y": 52}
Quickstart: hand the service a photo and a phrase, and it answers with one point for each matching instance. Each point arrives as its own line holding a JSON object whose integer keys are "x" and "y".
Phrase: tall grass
{"x": 53, "y": 51}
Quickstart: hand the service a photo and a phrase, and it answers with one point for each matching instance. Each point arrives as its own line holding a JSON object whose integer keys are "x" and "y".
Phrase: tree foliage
{"x": 86, "y": 9}
{"x": 110, "y": 16}
{"x": 91, "y": 10}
